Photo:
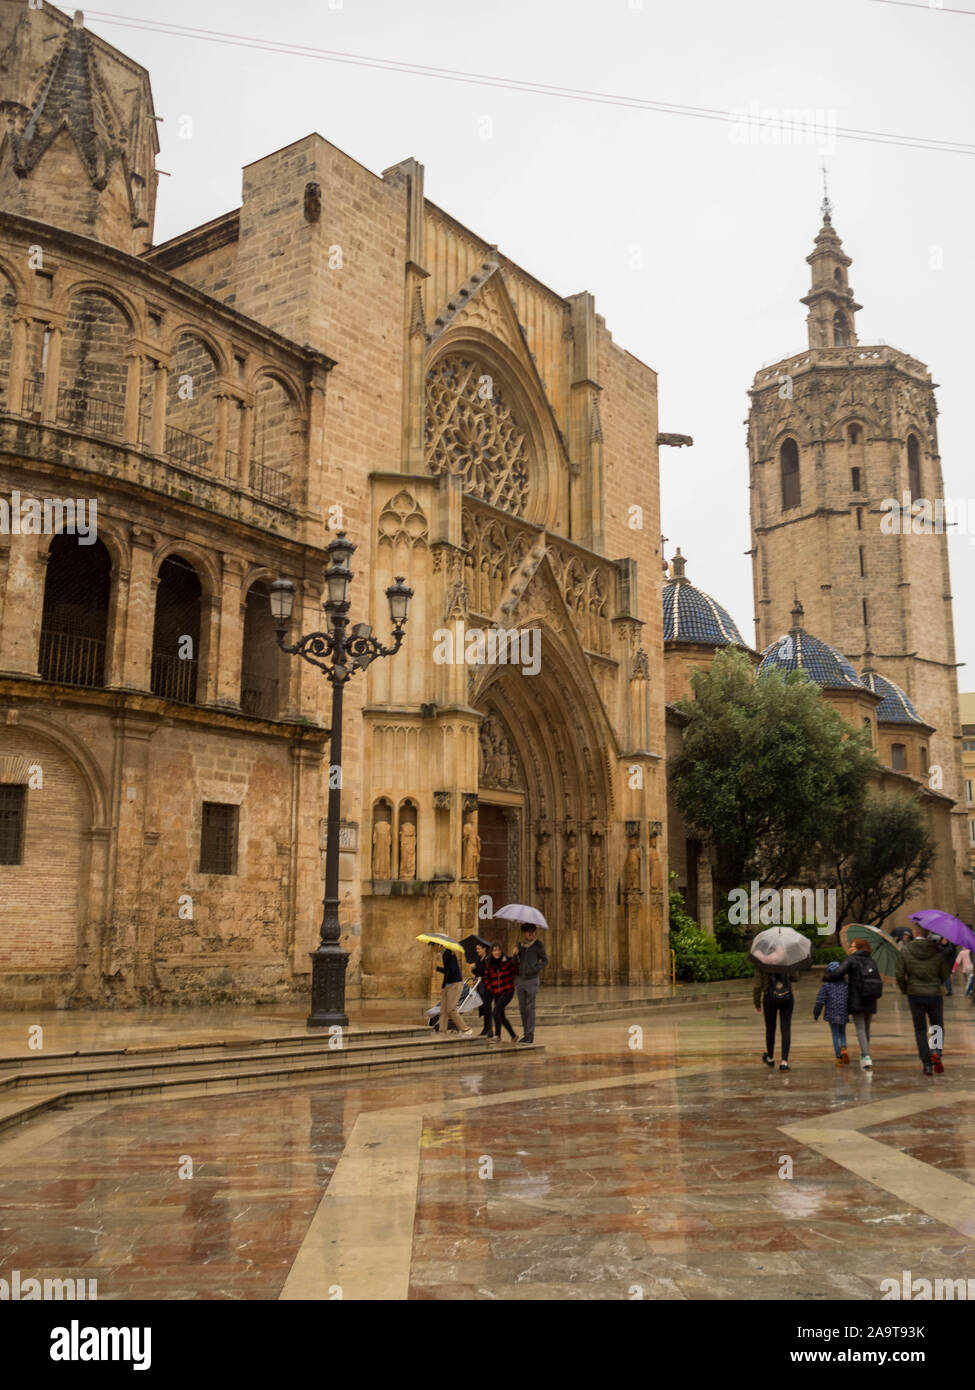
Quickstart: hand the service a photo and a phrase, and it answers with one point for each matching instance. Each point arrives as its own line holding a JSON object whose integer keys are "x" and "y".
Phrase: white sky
{"x": 568, "y": 188}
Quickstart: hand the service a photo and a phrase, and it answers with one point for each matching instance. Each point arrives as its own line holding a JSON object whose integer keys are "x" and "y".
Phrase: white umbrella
{"x": 780, "y": 949}
{"x": 518, "y": 912}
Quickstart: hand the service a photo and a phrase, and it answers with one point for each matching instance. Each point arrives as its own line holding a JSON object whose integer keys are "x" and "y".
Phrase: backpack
{"x": 871, "y": 986}
{"x": 779, "y": 987}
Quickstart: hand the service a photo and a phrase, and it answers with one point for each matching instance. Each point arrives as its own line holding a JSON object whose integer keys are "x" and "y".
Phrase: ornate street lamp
{"x": 339, "y": 655}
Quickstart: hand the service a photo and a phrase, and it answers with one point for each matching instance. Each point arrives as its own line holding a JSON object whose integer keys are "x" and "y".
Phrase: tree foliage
{"x": 768, "y": 771}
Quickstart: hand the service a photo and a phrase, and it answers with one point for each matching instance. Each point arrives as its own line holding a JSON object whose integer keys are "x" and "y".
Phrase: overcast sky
{"x": 692, "y": 238}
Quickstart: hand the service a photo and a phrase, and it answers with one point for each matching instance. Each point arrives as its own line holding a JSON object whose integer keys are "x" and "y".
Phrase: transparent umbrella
{"x": 780, "y": 949}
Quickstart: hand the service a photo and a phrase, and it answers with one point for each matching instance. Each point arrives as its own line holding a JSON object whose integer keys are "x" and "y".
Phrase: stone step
{"x": 223, "y": 1079}
{"x": 93, "y": 1067}
{"x": 314, "y": 1040}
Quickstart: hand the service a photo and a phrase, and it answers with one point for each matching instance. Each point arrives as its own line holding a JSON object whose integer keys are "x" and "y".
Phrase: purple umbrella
{"x": 943, "y": 924}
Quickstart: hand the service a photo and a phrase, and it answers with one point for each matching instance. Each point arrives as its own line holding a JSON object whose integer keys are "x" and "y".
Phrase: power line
{"x": 917, "y": 5}
{"x": 743, "y": 118}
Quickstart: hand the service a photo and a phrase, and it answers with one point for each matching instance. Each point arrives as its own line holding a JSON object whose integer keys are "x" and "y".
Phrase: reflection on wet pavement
{"x": 661, "y": 1172}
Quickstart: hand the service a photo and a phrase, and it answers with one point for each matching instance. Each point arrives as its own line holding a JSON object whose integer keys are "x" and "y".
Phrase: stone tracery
{"x": 471, "y": 431}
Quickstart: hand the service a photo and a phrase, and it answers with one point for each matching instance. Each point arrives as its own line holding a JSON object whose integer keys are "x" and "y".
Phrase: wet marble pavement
{"x": 616, "y": 1164}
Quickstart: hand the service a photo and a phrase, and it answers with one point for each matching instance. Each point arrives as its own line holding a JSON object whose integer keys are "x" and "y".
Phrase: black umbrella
{"x": 469, "y": 942}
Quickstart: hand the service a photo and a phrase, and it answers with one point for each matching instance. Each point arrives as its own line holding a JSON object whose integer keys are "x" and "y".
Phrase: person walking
{"x": 902, "y": 934}
{"x": 450, "y": 995}
{"x": 866, "y": 987}
{"x": 965, "y": 964}
{"x": 481, "y": 949}
{"x": 530, "y": 958}
{"x": 921, "y": 973}
{"x": 950, "y": 952}
{"x": 834, "y": 999}
{"x": 499, "y": 981}
{"x": 773, "y": 995}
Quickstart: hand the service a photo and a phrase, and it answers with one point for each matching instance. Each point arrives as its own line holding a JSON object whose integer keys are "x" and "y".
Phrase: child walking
{"x": 834, "y": 999}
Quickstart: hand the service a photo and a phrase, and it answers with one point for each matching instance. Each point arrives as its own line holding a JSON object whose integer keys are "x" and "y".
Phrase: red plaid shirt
{"x": 499, "y": 976}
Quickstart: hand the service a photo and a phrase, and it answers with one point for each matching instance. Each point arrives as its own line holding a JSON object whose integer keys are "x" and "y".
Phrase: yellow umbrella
{"x": 444, "y": 941}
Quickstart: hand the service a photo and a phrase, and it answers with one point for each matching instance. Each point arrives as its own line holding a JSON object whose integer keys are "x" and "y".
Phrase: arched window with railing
{"x": 841, "y": 330}
{"x": 276, "y": 426}
{"x": 94, "y": 368}
{"x": 261, "y": 673}
{"x": 176, "y": 631}
{"x": 191, "y": 403}
{"x": 74, "y": 620}
{"x": 789, "y": 471}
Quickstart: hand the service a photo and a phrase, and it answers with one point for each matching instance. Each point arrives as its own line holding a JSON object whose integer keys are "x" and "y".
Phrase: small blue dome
{"x": 690, "y": 615}
{"x": 895, "y": 707}
{"x": 798, "y": 650}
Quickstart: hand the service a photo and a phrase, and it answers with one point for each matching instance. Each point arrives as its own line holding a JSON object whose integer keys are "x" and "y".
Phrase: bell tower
{"x": 839, "y": 435}
{"x": 832, "y": 310}
{"x": 78, "y": 138}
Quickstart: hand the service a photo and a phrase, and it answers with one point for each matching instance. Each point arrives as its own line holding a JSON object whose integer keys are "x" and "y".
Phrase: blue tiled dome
{"x": 895, "y": 707}
{"x": 798, "y": 650}
{"x": 690, "y": 615}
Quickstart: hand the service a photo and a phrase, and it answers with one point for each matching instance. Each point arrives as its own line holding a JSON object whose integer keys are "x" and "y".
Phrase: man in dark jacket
{"x": 950, "y": 952}
{"x": 530, "y": 958}
{"x": 453, "y": 986}
{"x": 921, "y": 972}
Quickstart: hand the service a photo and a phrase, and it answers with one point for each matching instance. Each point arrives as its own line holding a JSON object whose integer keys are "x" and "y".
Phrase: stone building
{"x": 967, "y": 706}
{"x": 843, "y": 449}
{"x": 337, "y": 353}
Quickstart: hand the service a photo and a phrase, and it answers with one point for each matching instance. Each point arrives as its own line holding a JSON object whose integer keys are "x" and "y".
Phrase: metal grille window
{"x": 218, "y": 842}
{"x": 13, "y": 803}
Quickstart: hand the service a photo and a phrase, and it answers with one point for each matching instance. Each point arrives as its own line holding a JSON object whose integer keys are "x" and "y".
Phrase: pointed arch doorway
{"x": 545, "y": 814}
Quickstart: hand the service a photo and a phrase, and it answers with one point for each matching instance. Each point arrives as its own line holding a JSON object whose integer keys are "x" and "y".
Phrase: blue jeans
{"x": 838, "y": 1031}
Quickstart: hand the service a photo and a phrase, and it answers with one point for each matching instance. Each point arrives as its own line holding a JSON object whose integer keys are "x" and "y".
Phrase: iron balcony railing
{"x": 174, "y": 678}
{"x": 269, "y": 483}
{"x": 81, "y": 411}
{"x": 258, "y": 696}
{"x": 68, "y": 659}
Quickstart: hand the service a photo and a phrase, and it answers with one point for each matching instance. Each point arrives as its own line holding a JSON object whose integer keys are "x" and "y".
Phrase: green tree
{"x": 882, "y": 857}
{"x": 768, "y": 771}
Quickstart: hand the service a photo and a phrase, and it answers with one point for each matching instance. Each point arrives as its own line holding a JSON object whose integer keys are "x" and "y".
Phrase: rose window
{"x": 471, "y": 431}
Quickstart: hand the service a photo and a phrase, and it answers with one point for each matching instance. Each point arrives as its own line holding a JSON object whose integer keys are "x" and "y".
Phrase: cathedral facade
{"x": 337, "y": 354}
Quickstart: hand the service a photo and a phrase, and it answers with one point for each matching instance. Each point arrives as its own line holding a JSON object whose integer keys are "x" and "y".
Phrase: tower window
{"x": 841, "y": 333}
{"x": 838, "y": 275}
{"x": 789, "y": 464}
{"x": 863, "y": 563}
{"x": 859, "y": 518}
{"x": 898, "y": 757}
{"x": 924, "y": 762}
{"x": 914, "y": 467}
{"x": 854, "y": 434}
{"x": 855, "y": 479}
{"x": 865, "y": 620}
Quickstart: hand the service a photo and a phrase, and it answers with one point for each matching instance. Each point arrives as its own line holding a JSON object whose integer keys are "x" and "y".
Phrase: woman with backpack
{"x": 772, "y": 993}
{"x": 866, "y": 987}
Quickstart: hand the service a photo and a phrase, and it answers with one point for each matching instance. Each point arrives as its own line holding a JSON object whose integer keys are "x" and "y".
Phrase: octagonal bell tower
{"x": 843, "y": 452}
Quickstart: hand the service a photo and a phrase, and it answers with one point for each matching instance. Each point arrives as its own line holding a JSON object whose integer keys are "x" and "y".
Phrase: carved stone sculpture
{"x": 543, "y": 865}
{"x": 407, "y": 851}
{"x": 597, "y": 873}
{"x": 381, "y": 843}
{"x": 570, "y": 866}
{"x": 471, "y": 855}
{"x": 633, "y": 868}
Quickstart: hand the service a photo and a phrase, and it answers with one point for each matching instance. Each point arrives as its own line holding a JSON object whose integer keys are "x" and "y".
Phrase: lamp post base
{"x": 328, "y": 967}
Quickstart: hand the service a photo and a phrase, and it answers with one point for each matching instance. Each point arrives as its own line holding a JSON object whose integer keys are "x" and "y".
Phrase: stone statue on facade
{"x": 471, "y": 851}
{"x": 381, "y": 845}
{"x": 570, "y": 866}
{"x": 633, "y": 868}
{"x": 407, "y": 850}
{"x": 543, "y": 865}
{"x": 597, "y": 873}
